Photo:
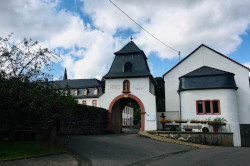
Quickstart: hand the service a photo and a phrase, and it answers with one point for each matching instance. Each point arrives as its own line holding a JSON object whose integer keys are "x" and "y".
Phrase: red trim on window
{"x": 211, "y": 107}
{"x": 75, "y": 90}
{"x": 84, "y": 91}
{"x": 126, "y": 86}
{"x": 96, "y": 91}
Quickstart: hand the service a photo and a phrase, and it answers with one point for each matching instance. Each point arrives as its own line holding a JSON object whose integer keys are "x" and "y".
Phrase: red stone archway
{"x": 109, "y": 127}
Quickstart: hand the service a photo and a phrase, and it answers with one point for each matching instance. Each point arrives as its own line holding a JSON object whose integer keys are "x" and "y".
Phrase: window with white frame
{"x": 94, "y": 103}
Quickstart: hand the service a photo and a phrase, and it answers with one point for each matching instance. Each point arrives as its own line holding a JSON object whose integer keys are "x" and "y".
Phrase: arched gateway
{"x": 129, "y": 80}
{"x": 123, "y": 100}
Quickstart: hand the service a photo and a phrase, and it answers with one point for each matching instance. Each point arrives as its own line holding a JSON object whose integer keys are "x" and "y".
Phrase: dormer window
{"x": 85, "y": 91}
{"x": 95, "y": 91}
{"x": 75, "y": 92}
{"x": 127, "y": 67}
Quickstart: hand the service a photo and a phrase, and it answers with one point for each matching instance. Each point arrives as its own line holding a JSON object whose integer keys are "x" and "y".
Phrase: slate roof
{"x": 130, "y": 48}
{"x": 132, "y": 54}
{"x": 77, "y": 83}
{"x": 207, "y": 78}
{"x": 205, "y": 70}
{"x": 203, "y": 45}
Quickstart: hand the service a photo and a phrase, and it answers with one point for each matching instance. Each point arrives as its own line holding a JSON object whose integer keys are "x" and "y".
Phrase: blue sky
{"x": 86, "y": 33}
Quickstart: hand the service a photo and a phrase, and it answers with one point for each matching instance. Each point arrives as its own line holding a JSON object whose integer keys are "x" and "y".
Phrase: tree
{"x": 160, "y": 94}
{"x": 25, "y": 59}
{"x": 24, "y": 96}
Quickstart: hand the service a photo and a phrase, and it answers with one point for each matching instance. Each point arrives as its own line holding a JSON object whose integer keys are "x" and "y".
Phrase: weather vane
{"x": 131, "y": 38}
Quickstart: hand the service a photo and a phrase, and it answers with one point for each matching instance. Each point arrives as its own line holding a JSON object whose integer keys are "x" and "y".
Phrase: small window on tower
{"x": 127, "y": 67}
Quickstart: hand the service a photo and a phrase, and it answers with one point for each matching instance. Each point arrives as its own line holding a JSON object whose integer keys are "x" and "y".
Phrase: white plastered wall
{"x": 139, "y": 87}
{"x": 89, "y": 101}
{"x": 228, "y": 107}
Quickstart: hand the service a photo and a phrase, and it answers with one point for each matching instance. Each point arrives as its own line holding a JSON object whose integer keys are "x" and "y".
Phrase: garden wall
{"x": 225, "y": 139}
{"x": 88, "y": 121}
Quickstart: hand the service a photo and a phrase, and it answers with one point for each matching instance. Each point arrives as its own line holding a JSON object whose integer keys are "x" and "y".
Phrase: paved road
{"x": 130, "y": 149}
{"x": 208, "y": 157}
{"x": 120, "y": 149}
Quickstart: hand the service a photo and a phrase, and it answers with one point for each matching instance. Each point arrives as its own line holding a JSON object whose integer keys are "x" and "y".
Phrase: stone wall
{"x": 90, "y": 121}
{"x": 225, "y": 139}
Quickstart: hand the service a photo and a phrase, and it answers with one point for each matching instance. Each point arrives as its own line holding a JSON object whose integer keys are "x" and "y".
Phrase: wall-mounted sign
{"x": 114, "y": 87}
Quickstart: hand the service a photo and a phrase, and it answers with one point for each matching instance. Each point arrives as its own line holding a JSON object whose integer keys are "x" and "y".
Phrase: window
{"x": 126, "y": 86}
{"x": 208, "y": 107}
{"x": 95, "y": 91}
{"x": 66, "y": 92}
{"x": 85, "y": 91}
{"x": 216, "y": 106}
{"x": 94, "y": 103}
{"x": 199, "y": 107}
{"x": 127, "y": 67}
{"x": 75, "y": 92}
{"x": 84, "y": 102}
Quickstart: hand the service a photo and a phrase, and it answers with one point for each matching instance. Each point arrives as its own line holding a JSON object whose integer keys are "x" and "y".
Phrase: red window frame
{"x": 75, "y": 91}
{"x": 211, "y": 107}
{"x": 94, "y": 91}
{"x": 84, "y": 91}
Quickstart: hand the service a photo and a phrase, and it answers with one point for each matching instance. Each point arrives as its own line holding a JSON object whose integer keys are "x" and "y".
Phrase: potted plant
{"x": 216, "y": 123}
{"x": 165, "y": 121}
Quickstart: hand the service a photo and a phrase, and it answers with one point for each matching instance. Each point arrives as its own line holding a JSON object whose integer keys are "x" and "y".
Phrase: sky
{"x": 86, "y": 33}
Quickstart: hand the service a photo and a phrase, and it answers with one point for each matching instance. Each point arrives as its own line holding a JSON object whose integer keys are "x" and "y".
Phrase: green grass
{"x": 17, "y": 149}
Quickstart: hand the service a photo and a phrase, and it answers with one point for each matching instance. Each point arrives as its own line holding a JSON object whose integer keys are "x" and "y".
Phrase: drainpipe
{"x": 180, "y": 107}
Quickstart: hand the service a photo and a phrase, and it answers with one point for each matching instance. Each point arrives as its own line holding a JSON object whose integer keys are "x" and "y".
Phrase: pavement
{"x": 142, "y": 149}
{"x": 121, "y": 149}
{"x": 50, "y": 160}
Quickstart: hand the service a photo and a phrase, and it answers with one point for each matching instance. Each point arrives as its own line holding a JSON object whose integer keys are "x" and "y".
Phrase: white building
{"x": 128, "y": 80}
{"x": 128, "y": 116}
{"x": 208, "y": 84}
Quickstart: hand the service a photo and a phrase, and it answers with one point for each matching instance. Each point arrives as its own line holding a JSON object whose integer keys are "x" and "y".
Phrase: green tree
{"x": 25, "y": 59}
{"x": 25, "y": 94}
{"x": 160, "y": 94}
{"x": 137, "y": 115}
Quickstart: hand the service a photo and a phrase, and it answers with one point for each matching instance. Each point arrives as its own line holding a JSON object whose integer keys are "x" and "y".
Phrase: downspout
{"x": 179, "y": 92}
{"x": 180, "y": 107}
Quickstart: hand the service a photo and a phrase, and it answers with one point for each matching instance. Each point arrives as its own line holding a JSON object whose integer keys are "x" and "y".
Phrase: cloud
{"x": 84, "y": 51}
{"x": 183, "y": 25}
{"x": 87, "y": 46}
